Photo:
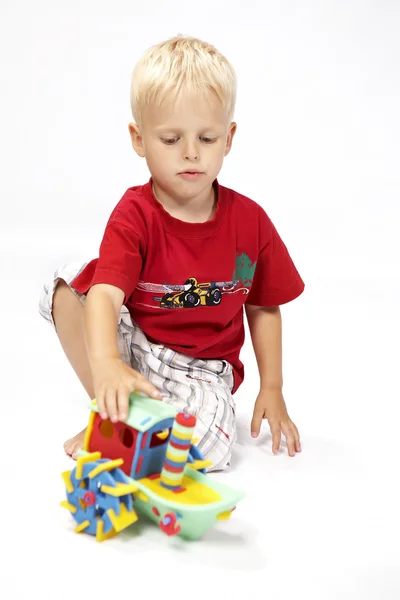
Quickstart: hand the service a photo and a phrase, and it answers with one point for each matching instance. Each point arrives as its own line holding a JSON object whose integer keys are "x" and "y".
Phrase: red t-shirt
{"x": 185, "y": 284}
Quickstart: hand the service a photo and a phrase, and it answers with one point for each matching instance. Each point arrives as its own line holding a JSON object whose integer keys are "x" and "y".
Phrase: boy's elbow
{"x": 115, "y": 294}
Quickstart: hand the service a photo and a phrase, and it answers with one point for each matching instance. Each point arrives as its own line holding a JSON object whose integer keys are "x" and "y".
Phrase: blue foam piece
{"x": 104, "y": 502}
{"x": 196, "y": 454}
{"x": 171, "y": 463}
{"x": 168, "y": 487}
{"x": 153, "y": 458}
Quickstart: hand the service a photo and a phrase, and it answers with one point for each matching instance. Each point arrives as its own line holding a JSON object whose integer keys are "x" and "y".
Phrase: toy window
{"x": 159, "y": 438}
{"x": 126, "y": 437}
{"x": 106, "y": 429}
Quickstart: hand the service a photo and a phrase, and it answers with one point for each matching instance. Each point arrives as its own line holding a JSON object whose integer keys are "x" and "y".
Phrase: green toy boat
{"x": 148, "y": 465}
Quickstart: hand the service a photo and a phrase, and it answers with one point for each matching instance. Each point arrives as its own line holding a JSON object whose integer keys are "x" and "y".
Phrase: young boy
{"x": 161, "y": 310}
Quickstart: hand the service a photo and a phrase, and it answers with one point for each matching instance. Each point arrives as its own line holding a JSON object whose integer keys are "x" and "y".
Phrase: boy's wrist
{"x": 97, "y": 361}
{"x": 267, "y": 386}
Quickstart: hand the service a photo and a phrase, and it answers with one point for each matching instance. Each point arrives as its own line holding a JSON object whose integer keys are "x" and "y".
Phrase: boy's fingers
{"x": 297, "y": 443}
{"x": 258, "y": 415}
{"x": 289, "y": 439}
{"x": 123, "y": 403}
{"x": 142, "y": 385}
{"x": 291, "y": 448}
{"x": 276, "y": 437}
{"x": 101, "y": 405}
{"x": 294, "y": 433}
{"x": 111, "y": 405}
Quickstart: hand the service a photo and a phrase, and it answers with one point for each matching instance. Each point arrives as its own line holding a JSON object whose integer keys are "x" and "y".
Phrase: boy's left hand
{"x": 270, "y": 405}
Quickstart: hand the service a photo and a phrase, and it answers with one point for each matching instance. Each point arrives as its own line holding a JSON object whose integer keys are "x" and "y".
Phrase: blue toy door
{"x": 152, "y": 450}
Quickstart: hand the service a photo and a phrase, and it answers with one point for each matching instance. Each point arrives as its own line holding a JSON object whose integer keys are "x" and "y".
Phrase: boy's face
{"x": 184, "y": 142}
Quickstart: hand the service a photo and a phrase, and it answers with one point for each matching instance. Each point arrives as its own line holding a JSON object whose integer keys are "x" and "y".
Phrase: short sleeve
{"x": 119, "y": 262}
{"x": 276, "y": 279}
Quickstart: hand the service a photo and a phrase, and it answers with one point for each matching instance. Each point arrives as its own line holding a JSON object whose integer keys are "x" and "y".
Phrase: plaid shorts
{"x": 198, "y": 386}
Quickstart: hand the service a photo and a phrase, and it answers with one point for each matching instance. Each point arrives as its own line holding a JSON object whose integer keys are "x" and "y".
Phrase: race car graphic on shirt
{"x": 191, "y": 294}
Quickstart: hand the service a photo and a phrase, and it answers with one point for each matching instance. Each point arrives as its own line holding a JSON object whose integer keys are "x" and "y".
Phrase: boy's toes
{"x": 68, "y": 447}
{"x": 75, "y": 451}
{"x": 73, "y": 445}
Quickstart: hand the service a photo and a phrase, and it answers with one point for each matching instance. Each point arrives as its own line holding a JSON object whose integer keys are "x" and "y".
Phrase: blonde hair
{"x": 182, "y": 65}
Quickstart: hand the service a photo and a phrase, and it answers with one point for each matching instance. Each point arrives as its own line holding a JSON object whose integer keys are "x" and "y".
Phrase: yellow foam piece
{"x": 199, "y": 464}
{"x": 89, "y": 430}
{"x": 194, "y": 441}
{"x": 175, "y": 457}
{"x": 195, "y": 493}
{"x": 68, "y": 506}
{"x": 121, "y": 490}
{"x": 102, "y": 537}
{"x": 142, "y": 496}
{"x": 107, "y": 466}
{"x": 82, "y": 526}
{"x": 67, "y": 481}
{"x": 163, "y": 434}
{"x": 182, "y": 436}
{"x": 224, "y": 515}
{"x": 124, "y": 519}
{"x": 82, "y": 460}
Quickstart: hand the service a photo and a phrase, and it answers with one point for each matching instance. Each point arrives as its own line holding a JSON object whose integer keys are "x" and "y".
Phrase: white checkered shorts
{"x": 200, "y": 387}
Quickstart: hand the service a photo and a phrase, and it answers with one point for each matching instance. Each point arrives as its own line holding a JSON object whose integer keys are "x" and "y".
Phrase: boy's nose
{"x": 191, "y": 152}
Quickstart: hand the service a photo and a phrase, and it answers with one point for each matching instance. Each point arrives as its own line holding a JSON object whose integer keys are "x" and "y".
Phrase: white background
{"x": 318, "y": 147}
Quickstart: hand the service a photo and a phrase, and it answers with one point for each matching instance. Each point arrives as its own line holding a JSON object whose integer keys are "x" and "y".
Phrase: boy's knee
{"x": 61, "y": 293}
{"x": 46, "y": 303}
{"x": 64, "y": 301}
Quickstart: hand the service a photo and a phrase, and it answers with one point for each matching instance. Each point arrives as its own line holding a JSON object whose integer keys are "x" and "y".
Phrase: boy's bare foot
{"x": 75, "y": 444}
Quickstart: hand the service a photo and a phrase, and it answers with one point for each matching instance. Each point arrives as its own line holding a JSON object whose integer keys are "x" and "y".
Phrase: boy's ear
{"x": 229, "y": 139}
{"x": 137, "y": 140}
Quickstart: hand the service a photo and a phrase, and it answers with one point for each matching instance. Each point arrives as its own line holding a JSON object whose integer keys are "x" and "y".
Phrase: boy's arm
{"x": 113, "y": 380}
{"x": 102, "y": 307}
{"x": 265, "y": 326}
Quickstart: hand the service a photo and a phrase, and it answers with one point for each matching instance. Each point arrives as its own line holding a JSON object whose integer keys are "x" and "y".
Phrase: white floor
{"x": 322, "y": 526}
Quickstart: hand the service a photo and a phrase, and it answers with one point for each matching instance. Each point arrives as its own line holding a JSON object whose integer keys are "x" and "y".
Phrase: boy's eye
{"x": 171, "y": 141}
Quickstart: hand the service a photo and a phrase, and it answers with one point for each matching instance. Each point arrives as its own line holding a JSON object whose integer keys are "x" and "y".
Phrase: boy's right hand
{"x": 113, "y": 382}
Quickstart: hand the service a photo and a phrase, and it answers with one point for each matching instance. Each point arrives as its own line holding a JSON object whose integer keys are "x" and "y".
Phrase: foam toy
{"x": 148, "y": 465}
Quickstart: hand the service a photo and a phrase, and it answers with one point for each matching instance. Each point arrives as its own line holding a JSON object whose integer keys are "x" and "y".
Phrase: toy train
{"x": 147, "y": 465}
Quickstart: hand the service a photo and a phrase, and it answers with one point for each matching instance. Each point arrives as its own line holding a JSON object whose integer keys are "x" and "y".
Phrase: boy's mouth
{"x": 190, "y": 175}
{"x": 190, "y": 171}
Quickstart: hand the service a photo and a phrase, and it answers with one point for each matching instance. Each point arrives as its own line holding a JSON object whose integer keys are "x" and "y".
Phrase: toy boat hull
{"x": 192, "y": 519}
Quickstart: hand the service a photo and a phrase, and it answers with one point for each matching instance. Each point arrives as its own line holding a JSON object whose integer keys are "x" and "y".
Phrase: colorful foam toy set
{"x": 148, "y": 465}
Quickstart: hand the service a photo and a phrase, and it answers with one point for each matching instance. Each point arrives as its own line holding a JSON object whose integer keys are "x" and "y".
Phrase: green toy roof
{"x": 145, "y": 412}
